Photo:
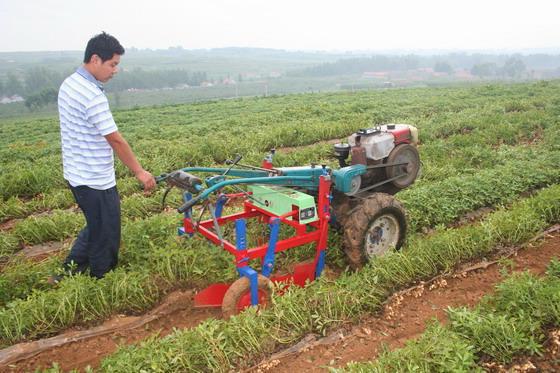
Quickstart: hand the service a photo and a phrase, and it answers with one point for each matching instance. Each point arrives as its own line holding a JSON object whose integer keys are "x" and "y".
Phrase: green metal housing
{"x": 280, "y": 200}
{"x": 343, "y": 177}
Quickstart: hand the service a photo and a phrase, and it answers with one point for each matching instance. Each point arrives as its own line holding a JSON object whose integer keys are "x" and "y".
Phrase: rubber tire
{"x": 394, "y": 156}
{"x": 241, "y": 287}
{"x": 360, "y": 219}
{"x": 341, "y": 205}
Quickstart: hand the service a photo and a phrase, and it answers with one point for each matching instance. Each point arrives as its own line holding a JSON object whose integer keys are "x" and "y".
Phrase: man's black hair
{"x": 104, "y": 45}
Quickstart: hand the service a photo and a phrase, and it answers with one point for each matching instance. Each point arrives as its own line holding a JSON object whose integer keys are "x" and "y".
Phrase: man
{"x": 89, "y": 136}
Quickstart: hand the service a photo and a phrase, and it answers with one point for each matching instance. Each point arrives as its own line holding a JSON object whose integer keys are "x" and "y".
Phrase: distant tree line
{"x": 513, "y": 67}
{"x": 360, "y": 65}
{"x": 42, "y": 98}
{"x": 29, "y": 82}
{"x": 39, "y": 85}
{"x": 484, "y": 65}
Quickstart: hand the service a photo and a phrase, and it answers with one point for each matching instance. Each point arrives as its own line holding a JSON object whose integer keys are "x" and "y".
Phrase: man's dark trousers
{"x": 97, "y": 245}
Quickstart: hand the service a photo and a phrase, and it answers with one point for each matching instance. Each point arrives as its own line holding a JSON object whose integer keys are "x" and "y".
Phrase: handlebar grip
{"x": 187, "y": 205}
{"x": 161, "y": 178}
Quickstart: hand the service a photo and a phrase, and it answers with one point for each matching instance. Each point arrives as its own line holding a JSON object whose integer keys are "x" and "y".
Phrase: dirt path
{"x": 406, "y": 314}
{"x": 81, "y": 348}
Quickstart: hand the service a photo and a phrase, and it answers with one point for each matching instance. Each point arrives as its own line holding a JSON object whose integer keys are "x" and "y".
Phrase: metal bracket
{"x": 268, "y": 261}
{"x": 252, "y": 275}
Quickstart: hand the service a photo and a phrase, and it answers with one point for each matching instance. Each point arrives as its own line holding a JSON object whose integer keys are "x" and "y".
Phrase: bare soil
{"x": 404, "y": 317}
{"x": 78, "y": 349}
{"x": 44, "y": 250}
{"x": 8, "y": 224}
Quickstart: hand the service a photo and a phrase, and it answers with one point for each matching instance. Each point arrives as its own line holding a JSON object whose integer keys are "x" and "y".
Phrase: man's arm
{"x": 125, "y": 154}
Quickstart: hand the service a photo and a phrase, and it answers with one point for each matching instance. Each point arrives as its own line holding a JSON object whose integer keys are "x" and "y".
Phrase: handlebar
{"x": 186, "y": 181}
{"x": 187, "y": 205}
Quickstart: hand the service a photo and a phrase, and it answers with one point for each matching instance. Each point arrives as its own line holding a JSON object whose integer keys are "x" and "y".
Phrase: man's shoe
{"x": 54, "y": 279}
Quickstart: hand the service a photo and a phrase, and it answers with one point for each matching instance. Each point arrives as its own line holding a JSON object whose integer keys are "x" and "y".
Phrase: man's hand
{"x": 147, "y": 179}
{"x": 125, "y": 154}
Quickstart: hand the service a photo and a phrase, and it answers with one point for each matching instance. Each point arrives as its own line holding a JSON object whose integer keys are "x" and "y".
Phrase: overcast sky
{"x": 33, "y": 25}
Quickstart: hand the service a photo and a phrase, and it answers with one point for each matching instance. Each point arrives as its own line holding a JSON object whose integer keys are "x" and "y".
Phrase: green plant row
{"x": 17, "y": 208}
{"x": 62, "y": 224}
{"x": 456, "y": 196}
{"x": 133, "y": 287}
{"x": 424, "y": 102}
{"x": 511, "y": 323}
{"x": 218, "y": 345}
{"x": 20, "y": 277}
{"x": 434, "y": 203}
{"x": 256, "y": 125}
{"x": 149, "y": 250}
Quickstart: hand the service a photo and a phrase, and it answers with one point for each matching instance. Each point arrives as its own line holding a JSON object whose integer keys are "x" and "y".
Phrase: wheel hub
{"x": 381, "y": 236}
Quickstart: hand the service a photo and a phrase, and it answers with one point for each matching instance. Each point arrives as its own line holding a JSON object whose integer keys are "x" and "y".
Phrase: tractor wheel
{"x": 400, "y": 154}
{"x": 340, "y": 206}
{"x": 374, "y": 226}
{"x": 238, "y": 296}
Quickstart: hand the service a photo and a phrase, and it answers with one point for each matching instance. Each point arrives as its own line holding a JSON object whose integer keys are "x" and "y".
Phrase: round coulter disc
{"x": 238, "y": 296}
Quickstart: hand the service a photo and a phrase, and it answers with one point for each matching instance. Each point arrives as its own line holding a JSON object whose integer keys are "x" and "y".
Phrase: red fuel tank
{"x": 401, "y": 133}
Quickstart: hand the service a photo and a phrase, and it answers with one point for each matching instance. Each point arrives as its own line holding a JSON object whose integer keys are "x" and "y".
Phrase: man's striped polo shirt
{"x": 85, "y": 118}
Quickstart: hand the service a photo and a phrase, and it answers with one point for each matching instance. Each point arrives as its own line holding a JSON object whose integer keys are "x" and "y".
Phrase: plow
{"x": 295, "y": 207}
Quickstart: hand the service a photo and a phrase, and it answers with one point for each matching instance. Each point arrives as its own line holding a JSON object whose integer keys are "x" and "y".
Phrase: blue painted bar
{"x": 241, "y": 234}
{"x": 187, "y": 214}
{"x": 320, "y": 264}
{"x": 222, "y": 199}
{"x": 268, "y": 264}
{"x": 186, "y": 198}
{"x": 251, "y": 274}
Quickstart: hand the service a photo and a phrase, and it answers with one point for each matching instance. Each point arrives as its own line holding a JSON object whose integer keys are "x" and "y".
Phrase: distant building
{"x": 375, "y": 74}
{"x": 428, "y": 70}
{"x": 11, "y": 99}
{"x": 229, "y": 81}
{"x": 463, "y": 74}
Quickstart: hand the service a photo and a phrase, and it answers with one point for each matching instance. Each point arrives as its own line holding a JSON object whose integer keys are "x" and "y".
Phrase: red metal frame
{"x": 316, "y": 231}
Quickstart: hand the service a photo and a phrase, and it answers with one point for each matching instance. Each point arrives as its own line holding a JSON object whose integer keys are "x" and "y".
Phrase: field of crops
{"x": 490, "y": 146}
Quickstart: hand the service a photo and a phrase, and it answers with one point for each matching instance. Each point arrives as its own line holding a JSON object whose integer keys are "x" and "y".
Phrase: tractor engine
{"x": 389, "y": 155}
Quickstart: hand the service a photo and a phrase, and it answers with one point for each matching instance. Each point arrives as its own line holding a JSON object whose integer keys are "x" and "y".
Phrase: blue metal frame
{"x": 187, "y": 214}
{"x": 241, "y": 234}
{"x": 250, "y": 273}
{"x": 222, "y": 199}
{"x": 268, "y": 262}
{"x": 320, "y": 264}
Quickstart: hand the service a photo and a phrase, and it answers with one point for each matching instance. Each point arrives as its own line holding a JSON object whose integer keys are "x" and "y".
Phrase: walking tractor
{"x": 356, "y": 197}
